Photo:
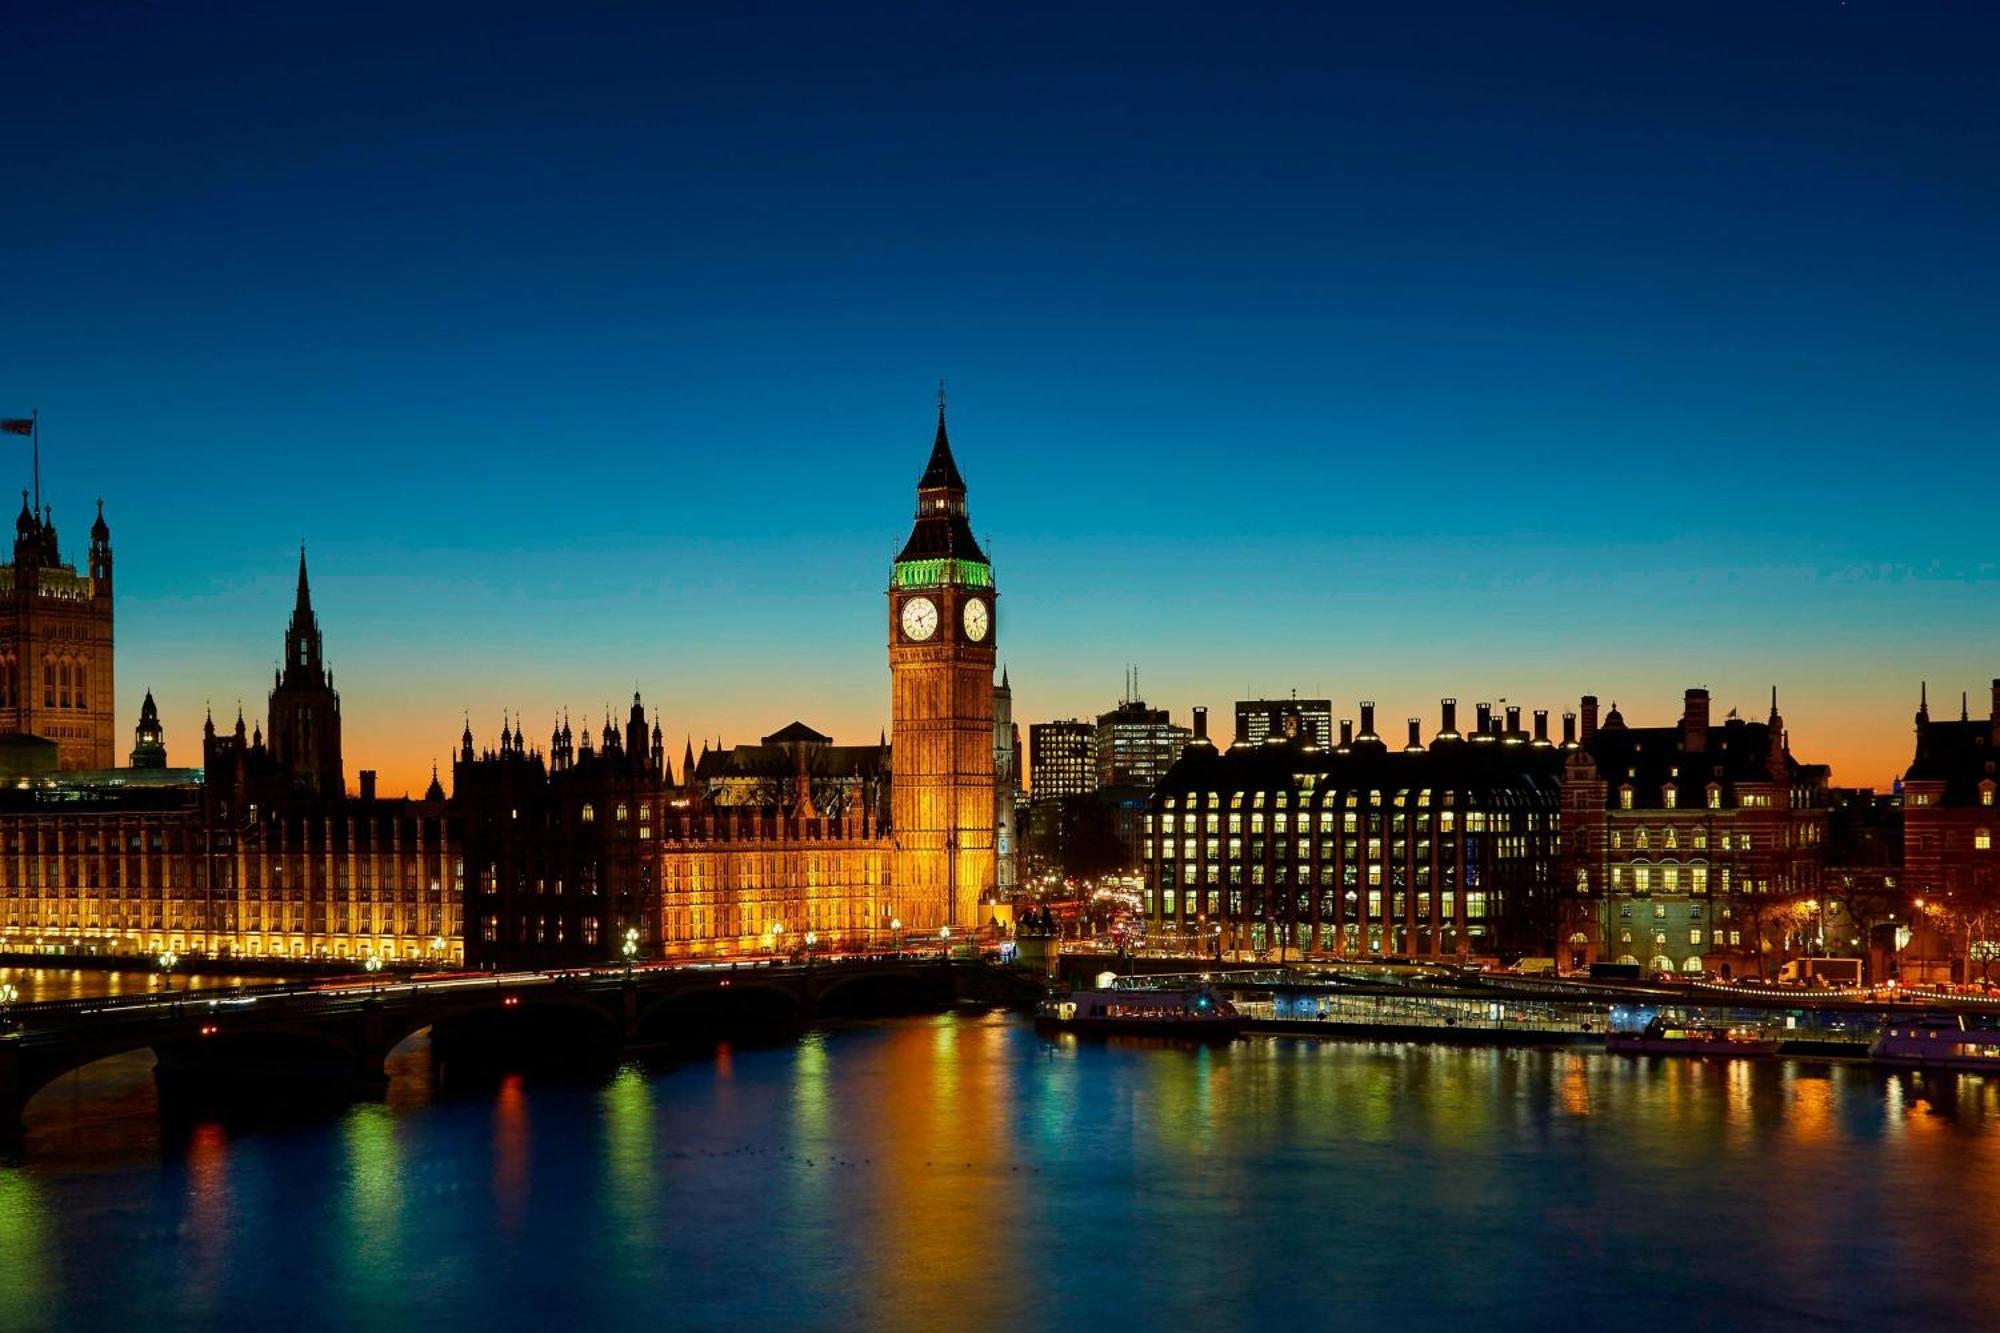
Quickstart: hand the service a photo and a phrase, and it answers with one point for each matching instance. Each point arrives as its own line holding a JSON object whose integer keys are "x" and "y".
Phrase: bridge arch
{"x": 721, "y": 1002}
{"x": 879, "y": 991}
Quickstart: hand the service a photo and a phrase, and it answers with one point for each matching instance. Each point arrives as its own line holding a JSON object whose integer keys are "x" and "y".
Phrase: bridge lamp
{"x": 374, "y": 963}
{"x": 812, "y": 938}
{"x": 9, "y": 993}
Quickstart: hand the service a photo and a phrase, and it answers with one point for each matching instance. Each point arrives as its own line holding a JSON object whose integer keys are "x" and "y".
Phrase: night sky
{"x": 1497, "y": 351}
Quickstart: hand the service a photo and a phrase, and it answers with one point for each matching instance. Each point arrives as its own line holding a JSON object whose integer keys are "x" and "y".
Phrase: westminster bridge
{"x": 332, "y": 1037}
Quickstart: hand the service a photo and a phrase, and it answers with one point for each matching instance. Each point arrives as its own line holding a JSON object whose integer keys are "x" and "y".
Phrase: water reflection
{"x": 963, "y": 1172}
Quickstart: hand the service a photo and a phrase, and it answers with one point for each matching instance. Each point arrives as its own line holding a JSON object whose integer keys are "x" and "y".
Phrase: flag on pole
{"x": 18, "y": 425}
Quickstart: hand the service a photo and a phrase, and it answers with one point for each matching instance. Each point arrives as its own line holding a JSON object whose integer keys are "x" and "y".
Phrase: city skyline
{"x": 1538, "y": 345}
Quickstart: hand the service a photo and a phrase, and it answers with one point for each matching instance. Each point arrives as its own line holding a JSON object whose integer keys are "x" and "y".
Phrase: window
{"x": 1983, "y": 840}
{"x": 1694, "y": 936}
{"x": 589, "y": 813}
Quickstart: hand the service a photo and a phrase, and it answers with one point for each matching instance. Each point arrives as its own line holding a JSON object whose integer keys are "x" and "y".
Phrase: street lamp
{"x": 9, "y": 993}
{"x": 168, "y": 958}
{"x": 630, "y": 949}
{"x": 373, "y": 967}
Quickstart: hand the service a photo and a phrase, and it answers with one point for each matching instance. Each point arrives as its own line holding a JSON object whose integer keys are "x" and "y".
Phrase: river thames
{"x": 959, "y": 1171}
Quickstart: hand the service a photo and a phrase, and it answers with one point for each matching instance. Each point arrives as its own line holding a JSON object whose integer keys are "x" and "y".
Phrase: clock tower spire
{"x": 941, "y": 653}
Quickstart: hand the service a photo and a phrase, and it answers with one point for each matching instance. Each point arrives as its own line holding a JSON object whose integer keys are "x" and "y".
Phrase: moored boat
{"x": 1938, "y": 1041}
{"x": 1197, "y": 1013}
{"x": 1664, "y": 1037}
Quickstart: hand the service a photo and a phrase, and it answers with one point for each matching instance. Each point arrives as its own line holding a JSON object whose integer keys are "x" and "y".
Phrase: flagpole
{"x": 35, "y": 415}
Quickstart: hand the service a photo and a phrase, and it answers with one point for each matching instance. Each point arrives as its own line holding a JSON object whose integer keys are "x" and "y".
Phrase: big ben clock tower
{"x": 941, "y": 631}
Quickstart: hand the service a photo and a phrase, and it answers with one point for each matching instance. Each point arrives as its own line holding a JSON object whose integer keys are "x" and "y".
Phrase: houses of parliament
{"x": 564, "y": 853}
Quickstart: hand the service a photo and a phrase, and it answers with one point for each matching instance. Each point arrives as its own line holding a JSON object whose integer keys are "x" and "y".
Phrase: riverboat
{"x": 1938, "y": 1041}
{"x": 1198, "y": 1013}
{"x": 1661, "y": 1037}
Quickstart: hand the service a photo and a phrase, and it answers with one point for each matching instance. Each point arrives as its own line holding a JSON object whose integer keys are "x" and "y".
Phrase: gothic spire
{"x": 941, "y": 473}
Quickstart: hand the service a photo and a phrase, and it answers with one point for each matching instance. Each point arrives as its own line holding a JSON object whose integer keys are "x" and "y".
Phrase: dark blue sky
{"x": 1488, "y": 350}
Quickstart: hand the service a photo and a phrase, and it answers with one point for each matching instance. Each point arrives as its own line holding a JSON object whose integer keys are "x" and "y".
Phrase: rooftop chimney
{"x": 1589, "y": 707}
{"x": 1694, "y": 721}
{"x": 1483, "y": 728}
{"x": 1513, "y": 719}
{"x": 1541, "y": 726}
{"x": 1200, "y": 723}
{"x": 1368, "y": 720}
{"x": 1416, "y": 734}
{"x": 1569, "y": 731}
{"x": 1347, "y": 733}
{"x": 1449, "y": 730}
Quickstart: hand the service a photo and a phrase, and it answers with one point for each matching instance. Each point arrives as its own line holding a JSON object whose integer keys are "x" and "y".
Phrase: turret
{"x": 149, "y": 746}
{"x": 100, "y": 555}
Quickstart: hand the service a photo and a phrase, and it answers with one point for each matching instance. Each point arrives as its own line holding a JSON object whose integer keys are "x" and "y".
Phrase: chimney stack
{"x": 1416, "y": 734}
{"x": 1368, "y": 720}
{"x": 1347, "y": 733}
{"x": 1569, "y": 731}
{"x": 1694, "y": 721}
{"x": 1589, "y": 719}
{"x": 1483, "y": 728}
{"x": 367, "y": 784}
{"x": 1201, "y": 723}
{"x": 1513, "y": 719}
{"x": 1449, "y": 707}
{"x": 1541, "y": 726}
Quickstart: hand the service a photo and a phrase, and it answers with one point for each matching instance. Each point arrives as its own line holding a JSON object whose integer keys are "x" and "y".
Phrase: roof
{"x": 942, "y": 530}
{"x": 798, "y": 733}
{"x": 941, "y": 472}
{"x": 1650, "y": 758}
{"x": 781, "y": 761}
{"x": 1961, "y": 755}
{"x": 1492, "y": 773}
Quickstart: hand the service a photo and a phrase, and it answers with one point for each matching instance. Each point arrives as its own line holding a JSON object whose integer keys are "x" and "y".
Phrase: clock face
{"x": 978, "y": 620}
{"x": 920, "y": 619}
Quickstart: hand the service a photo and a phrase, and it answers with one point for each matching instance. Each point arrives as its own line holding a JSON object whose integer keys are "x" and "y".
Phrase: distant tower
{"x": 941, "y": 633}
{"x": 149, "y": 742}
{"x": 1006, "y": 778}
{"x": 305, "y": 710}
{"x": 56, "y": 645}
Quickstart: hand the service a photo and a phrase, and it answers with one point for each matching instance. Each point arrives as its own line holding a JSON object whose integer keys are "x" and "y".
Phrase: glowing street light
{"x": 167, "y": 960}
{"x": 630, "y": 948}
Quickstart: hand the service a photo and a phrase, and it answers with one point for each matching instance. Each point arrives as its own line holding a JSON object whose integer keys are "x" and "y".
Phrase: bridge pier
{"x": 13, "y": 1101}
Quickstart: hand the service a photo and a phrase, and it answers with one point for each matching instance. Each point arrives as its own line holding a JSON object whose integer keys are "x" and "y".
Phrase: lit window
{"x": 1983, "y": 840}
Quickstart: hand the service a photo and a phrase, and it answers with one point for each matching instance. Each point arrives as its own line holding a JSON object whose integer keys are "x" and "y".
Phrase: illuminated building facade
{"x": 1690, "y": 847}
{"x": 1062, "y": 759}
{"x": 1445, "y": 849}
{"x": 247, "y": 856}
{"x": 1950, "y": 812}
{"x": 1259, "y": 718}
{"x": 1136, "y": 745}
{"x": 56, "y": 678}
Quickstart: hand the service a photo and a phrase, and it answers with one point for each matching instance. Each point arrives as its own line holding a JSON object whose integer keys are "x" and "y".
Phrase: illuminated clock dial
{"x": 920, "y": 618}
{"x": 978, "y": 620}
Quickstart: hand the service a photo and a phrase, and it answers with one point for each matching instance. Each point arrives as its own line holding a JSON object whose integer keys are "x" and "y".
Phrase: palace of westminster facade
{"x": 535, "y": 856}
